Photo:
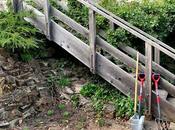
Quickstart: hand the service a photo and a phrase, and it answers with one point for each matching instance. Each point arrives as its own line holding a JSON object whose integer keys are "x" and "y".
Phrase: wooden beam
{"x": 148, "y": 74}
{"x": 47, "y": 18}
{"x": 135, "y": 28}
{"x": 156, "y": 67}
{"x": 132, "y": 31}
{"x": 157, "y": 56}
{"x": 92, "y": 40}
{"x": 17, "y": 5}
{"x": 70, "y": 22}
{"x": 112, "y": 25}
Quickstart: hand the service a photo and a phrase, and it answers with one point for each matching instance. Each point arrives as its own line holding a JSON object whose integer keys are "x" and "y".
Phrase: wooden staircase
{"x": 100, "y": 64}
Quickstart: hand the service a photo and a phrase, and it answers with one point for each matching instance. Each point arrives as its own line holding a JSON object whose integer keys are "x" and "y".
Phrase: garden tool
{"x": 136, "y": 120}
{"x": 142, "y": 80}
{"x": 162, "y": 125}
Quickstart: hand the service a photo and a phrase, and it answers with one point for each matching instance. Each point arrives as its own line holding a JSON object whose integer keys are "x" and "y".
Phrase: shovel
{"x": 142, "y": 80}
{"x": 161, "y": 124}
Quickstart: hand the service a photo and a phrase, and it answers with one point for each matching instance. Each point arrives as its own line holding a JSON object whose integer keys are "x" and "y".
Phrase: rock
{"x": 2, "y": 83}
{"x": 10, "y": 79}
{"x": 14, "y": 114}
{"x": 83, "y": 101}
{"x": 30, "y": 83}
{"x": 4, "y": 124}
{"x": 2, "y": 74}
{"x": 68, "y": 73}
{"x": 43, "y": 64}
{"x": 43, "y": 91}
{"x": 68, "y": 90}
{"x": 109, "y": 111}
{"x": 14, "y": 122}
{"x": 64, "y": 95}
{"x": 77, "y": 88}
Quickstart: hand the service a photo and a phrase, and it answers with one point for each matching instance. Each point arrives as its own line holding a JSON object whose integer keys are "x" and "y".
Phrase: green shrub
{"x": 156, "y": 18}
{"x": 16, "y": 33}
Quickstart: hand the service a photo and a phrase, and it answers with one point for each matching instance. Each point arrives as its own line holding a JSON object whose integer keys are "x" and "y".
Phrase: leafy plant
{"x": 61, "y": 106}
{"x": 50, "y": 112}
{"x": 75, "y": 100}
{"x": 66, "y": 114}
{"x": 15, "y": 33}
{"x": 124, "y": 107}
{"x": 64, "y": 81}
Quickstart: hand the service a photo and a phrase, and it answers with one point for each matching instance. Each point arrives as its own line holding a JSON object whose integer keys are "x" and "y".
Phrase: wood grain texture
{"x": 92, "y": 40}
{"x": 47, "y": 18}
{"x": 131, "y": 30}
{"x": 156, "y": 67}
{"x": 70, "y": 22}
{"x": 148, "y": 74}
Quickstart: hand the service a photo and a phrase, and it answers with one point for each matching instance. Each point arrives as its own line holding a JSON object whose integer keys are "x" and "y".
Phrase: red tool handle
{"x": 142, "y": 78}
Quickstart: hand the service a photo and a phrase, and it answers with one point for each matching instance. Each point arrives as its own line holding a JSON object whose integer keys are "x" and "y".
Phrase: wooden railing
{"x": 97, "y": 63}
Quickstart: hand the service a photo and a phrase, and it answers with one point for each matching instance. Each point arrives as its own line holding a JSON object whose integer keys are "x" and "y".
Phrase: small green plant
{"x": 124, "y": 107}
{"x": 64, "y": 81}
{"x": 100, "y": 122}
{"x": 81, "y": 123}
{"x": 61, "y": 106}
{"x": 25, "y": 128}
{"x": 26, "y": 57}
{"x": 88, "y": 90}
{"x": 50, "y": 112}
{"x": 75, "y": 100}
{"x": 66, "y": 114}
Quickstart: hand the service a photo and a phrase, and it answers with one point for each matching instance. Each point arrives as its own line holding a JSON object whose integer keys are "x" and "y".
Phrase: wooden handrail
{"x": 135, "y": 28}
{"x": 131, "y": 30}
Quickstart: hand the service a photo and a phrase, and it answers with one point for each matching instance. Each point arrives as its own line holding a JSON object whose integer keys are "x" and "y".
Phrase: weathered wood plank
{"x": 131, "y": 63}
{"x": 92, "y": 40}
{"x": 156, "y": 67}
{"x": 135, "y": 28}
{"x": 47, "y": 18}
{"x": 38, "y": 21}
{"x": 70, "y": 43}
{"x": 157, "y": 56}
{"x": 132, "y": 31}
{"x": 148, "y": 75}
{"x": 70, "y": 22}
{"x": 17, "y": 5}
{"x": 115, "y": 75}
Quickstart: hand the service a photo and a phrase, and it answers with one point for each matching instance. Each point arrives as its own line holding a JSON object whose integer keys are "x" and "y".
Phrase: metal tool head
{"x": 162, "y": 124}
{"x": 155, "y": 77}
{"x": 141, "y": 77}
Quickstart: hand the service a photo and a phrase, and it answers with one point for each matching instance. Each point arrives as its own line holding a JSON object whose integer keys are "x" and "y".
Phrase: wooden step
{"x": 172, "y": 101}
{"x": 163, "y": 94}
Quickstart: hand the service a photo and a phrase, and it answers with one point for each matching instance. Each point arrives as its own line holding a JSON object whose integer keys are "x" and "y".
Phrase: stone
{"x": 10, "y": 79}
{"x": 14, "y": 122}
{"x": 4, "y": 124}
{"x": 30, "y": 83}
{"x": 109, "y": 111}
{"x": 68, "y": 90}
{"x": 83, "y": 101}
{"x": 77, "y": 88}
{"x": 64, "y": 95}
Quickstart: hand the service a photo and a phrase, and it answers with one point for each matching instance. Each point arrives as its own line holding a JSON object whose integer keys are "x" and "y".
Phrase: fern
{"x": 16, "y": 33}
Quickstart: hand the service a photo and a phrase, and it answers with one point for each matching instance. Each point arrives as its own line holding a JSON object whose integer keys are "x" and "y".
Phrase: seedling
{"x": 50, "y": 112}
{"x": 61, "y": 106}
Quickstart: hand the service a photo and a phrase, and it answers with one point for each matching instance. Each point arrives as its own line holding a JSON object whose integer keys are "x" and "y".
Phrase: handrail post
{"x": 47, "y": 18}
{"x": 148, "y": 74}
{"x": 92, "y": 40}
{"x": 157, "y": 55}
{"x": 17, "y": 5}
